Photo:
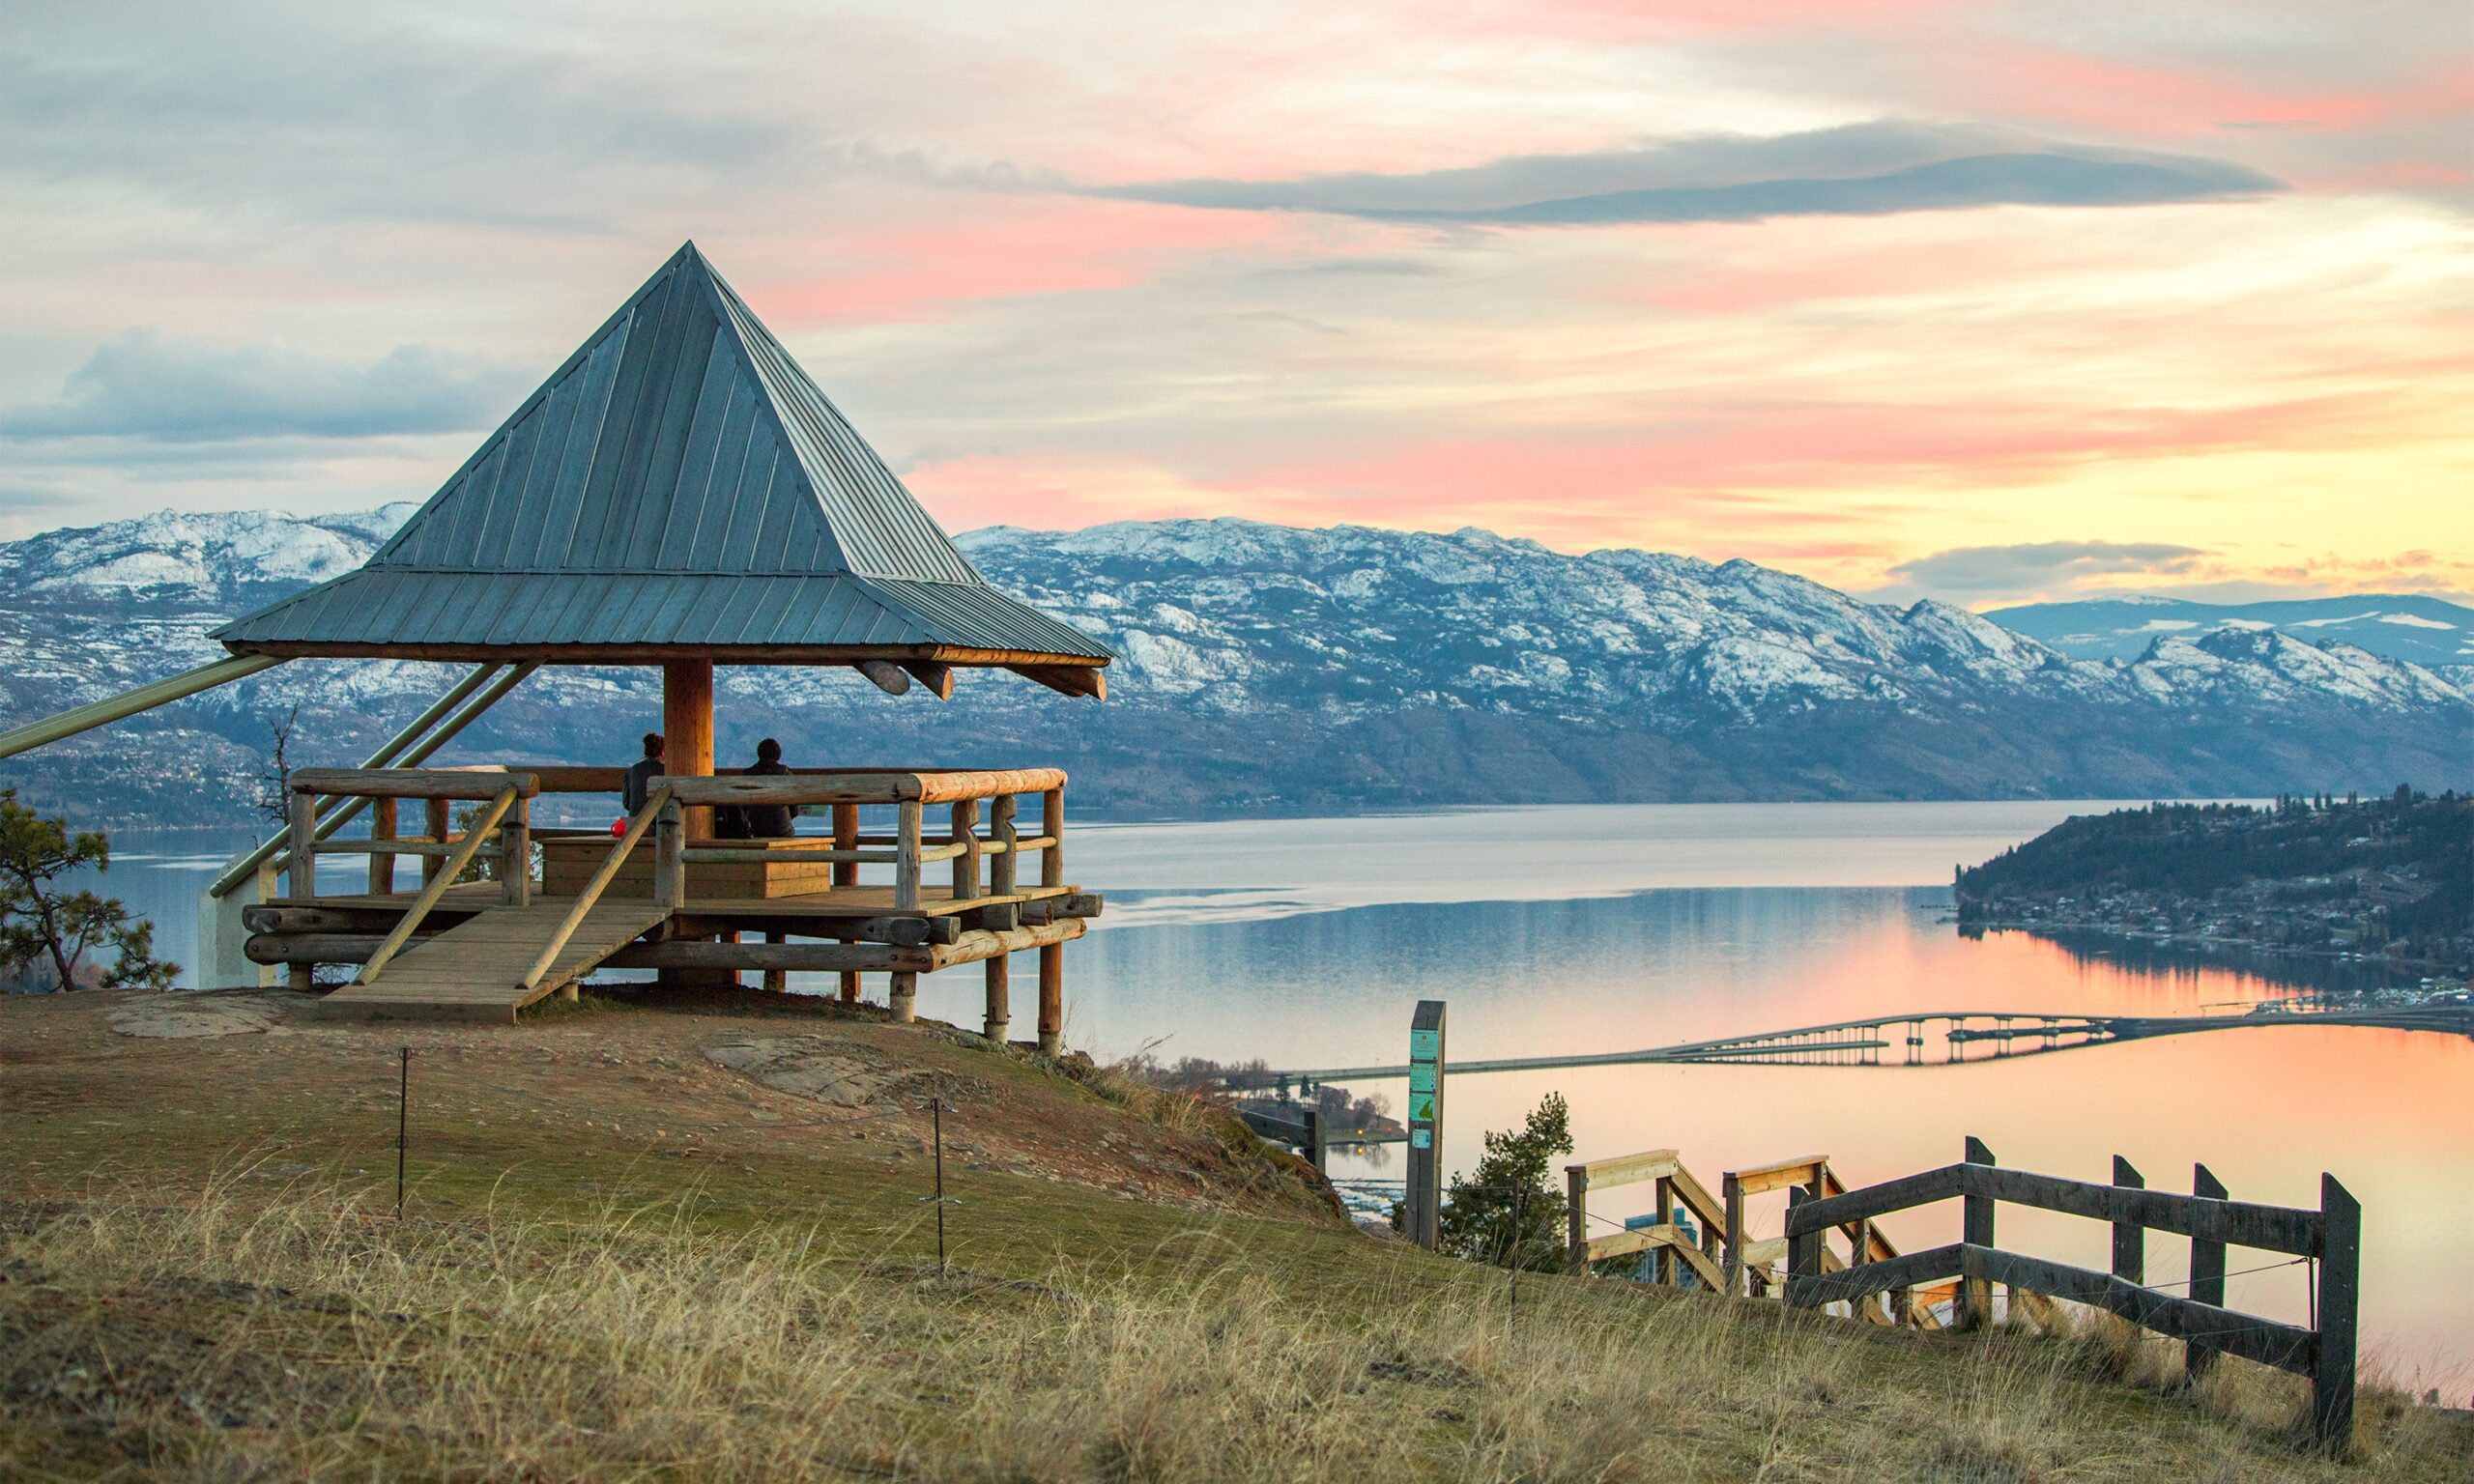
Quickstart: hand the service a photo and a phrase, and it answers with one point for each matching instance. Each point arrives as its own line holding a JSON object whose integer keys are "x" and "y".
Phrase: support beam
{"x": 938, "y": 678}
{"x": 904, "y": 996}
{"x": 889, "y": 677}
{"x": 146, "y": 698}
{"x": 1000, "y": 1012}
{"x": 1067, "y": 679}
{"x": 1052, "y": 999}
{"x": 687, "y": 738}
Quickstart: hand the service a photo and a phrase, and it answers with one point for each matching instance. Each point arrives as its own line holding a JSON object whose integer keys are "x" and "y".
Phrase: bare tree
{"x": 275, "y": 779}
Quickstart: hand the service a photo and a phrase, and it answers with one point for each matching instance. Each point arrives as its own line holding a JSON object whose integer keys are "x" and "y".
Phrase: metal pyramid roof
{"x": 678, "y": 488}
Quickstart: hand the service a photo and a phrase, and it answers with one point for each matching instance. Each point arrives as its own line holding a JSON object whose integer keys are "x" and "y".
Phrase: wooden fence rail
{"x": 2330, "y": 1236}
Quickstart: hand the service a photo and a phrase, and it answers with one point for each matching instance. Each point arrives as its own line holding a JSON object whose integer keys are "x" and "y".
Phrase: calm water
{"x": 1307, "y": 942}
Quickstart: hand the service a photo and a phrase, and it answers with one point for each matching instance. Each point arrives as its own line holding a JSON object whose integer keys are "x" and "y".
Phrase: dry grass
{"x": 233, "y": 1336}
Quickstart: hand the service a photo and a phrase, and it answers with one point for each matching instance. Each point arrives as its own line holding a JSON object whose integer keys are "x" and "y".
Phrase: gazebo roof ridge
{"x": 677, "y": 487}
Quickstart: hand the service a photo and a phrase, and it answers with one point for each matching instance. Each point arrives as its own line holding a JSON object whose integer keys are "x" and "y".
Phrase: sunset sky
{"x": 1989, "y": 301}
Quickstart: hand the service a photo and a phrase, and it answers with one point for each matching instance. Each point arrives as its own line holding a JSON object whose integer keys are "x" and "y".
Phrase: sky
{"x": 1991, "y": 302}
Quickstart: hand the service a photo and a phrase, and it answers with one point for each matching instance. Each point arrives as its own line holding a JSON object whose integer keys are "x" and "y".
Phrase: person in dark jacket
{"x": 640, "y": 778}
{"x": 768, "y": 822}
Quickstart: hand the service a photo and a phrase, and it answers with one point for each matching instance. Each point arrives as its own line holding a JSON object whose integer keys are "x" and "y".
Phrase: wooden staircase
{"x": 476, "y": 970}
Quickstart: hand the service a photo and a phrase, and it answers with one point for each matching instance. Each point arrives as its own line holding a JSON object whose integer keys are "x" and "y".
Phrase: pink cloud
{"x": 993, "y": 246}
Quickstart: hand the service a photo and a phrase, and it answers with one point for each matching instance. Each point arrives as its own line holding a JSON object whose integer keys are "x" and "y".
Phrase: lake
{"x": 1593, "y": 929}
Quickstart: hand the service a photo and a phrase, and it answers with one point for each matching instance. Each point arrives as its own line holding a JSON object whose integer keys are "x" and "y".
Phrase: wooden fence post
{"x": 2332, "y": 1380}
{"x": 669, "y": 857}
{"x": 300, "y": 859}
{"x": 846, "y": 837}
{"x": 1732, "y": 1193}
{"x": 381, "y": 826}
{"x": 2207, "y": 1274}
{"x": 1576, "y": 1218}
{"x": 966, "y": 834}
{"x": 1666, "y": 1262}
{"x": 905, "y": 870}
{"x": 2130, "y": 1239}
{"x": 1976, "y": 1229}
{"x": 1000, "y": 829}
{"x": 438, "y": 821}
{"x": 1804, "y": 1248}
{"x": 515, "y": 854}
{"x": 1052, "y": 825}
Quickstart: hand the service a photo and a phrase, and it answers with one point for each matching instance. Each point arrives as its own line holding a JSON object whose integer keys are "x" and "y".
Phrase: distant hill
{"x": 2394, "y": 626}
{"x": 1271, "y": 669}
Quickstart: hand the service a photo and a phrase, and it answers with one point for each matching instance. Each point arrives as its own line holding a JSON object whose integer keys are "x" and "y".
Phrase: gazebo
{"x": 679, "y": 493}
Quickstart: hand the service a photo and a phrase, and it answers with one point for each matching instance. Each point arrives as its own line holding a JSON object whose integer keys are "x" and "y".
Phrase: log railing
{"x": 1722, "y": 1255}
{"x": 982, "y": 865}
{"x": 2330, "y": 1238}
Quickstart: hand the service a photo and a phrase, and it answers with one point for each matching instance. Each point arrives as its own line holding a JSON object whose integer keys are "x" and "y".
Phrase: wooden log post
{"x": 1804, "y": 1248}
{"x": 301, "y": 871}
{"x": 1052, "y": 999}
{"x": 1976, "y": 1229}
{"x": 670, "y": 856}
{"x": 1664, "y": 1264}
{"x": 904, "y": 997}
{"x": 846, "y": 837}
{"x": 381, "y": 826}
{"x": 438, "y": 823}
{"x": 777, "y": 980}
{"x": 1000, "y": 829}
{"x": 965, "y": 837}
{"x": 1052, "y": 825}
{"x": 905, "y": 870}
{"x": 688, "y": 732}
{"x": 515, "y": 854}
{"x": 2207, "y": 1274}
{"x": 1576, "y": 1218}
{"x": 2130, "y": 1239}
{"x": 2340, "y": 1292}
{"x": 1731, "y": 1192}
{"x": 999, "y": 1019}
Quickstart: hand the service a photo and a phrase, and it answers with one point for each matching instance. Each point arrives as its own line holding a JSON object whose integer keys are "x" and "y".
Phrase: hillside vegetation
{"x": 2391, "y": 875}
{"x": 690, "y": 1242}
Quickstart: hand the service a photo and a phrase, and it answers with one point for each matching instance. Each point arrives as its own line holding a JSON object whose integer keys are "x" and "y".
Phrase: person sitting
{"x": 639, "y": 786}
{"x": 768, "y": 822}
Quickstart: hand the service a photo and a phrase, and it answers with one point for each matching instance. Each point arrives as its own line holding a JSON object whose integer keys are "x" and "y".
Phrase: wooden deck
{"x": 474, "y": 971}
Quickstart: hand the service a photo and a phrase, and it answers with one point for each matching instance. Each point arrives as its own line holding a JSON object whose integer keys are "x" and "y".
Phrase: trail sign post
{"x": 1425, "y": 1124}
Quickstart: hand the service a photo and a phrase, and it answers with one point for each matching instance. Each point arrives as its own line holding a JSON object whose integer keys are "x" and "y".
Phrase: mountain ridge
{"x": 1277, "y": 668}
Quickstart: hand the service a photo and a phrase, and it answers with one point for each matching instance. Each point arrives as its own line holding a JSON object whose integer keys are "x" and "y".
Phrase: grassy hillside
{"x": 690, "y": 1242}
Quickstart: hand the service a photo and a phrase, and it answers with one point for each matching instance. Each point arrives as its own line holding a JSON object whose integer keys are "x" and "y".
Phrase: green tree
{"x": 1479, "y": 1221}
{"x": 40, "y": 922}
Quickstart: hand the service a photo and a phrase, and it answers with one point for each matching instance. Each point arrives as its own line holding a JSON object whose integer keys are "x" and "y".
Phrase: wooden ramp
{"x": 474, "y": 970}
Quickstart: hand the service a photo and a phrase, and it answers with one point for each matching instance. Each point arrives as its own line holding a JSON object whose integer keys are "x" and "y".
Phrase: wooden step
{"x": 472, "y": 970}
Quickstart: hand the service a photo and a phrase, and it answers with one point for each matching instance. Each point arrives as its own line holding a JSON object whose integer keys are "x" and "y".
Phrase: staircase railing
{"x": 637, "y": 828}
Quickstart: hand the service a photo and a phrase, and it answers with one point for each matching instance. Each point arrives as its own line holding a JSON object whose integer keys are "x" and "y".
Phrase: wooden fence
{"x": 1722, "y": 1255}
{"x": 2331, "y": 1237}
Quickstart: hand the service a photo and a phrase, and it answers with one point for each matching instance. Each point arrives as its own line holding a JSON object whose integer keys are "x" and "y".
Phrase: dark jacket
{"x": 767, "y": 821}
{"x": 640, "y": 783}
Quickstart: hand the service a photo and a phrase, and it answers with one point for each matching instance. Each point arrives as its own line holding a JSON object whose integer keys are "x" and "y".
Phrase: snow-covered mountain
{"x": 2398, "y": 626}
{"x": 1270, "y": 667}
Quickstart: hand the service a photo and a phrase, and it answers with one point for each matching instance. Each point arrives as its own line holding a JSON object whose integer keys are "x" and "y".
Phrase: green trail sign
{"x": 1425, "y": 1124}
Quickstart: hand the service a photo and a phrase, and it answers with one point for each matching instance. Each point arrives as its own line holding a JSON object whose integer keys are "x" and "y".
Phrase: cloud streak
{"x": 147, "y": 385}
{"x": 1869, "y": 169}
{"x": 1975, "y": 572}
